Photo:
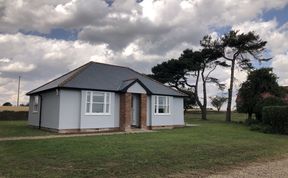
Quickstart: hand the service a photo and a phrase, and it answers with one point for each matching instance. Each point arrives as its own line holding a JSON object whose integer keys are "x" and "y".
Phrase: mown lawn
{"x": 212, "y": 145}
{"x": 19, "y": 129}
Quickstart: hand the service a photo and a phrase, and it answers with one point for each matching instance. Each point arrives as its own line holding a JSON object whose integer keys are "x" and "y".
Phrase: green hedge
{"x": 13, "y": 115}
{"x": 270, "y": 101}
{"x": 277, "y": 118}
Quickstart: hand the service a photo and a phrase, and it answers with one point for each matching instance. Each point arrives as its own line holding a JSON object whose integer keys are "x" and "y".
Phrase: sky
{"x": 41, "y": 40}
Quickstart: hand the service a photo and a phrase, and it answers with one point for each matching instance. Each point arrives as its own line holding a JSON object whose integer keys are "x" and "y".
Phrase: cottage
{"x": 104, "y": 97}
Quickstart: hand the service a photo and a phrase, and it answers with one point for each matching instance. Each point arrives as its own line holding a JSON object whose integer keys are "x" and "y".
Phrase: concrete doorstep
{"x": 191, "y": 125}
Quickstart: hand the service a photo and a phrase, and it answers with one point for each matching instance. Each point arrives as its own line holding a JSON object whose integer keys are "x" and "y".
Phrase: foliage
{"x": 189, "y": 101}
{"x": 238, "y": 49}
{"x": 251, "y": 121}
{"x": 218, "y": 101}
{"x": 277, "y": 118}
{"x": 270, "y": 101}
{"x": 259, "y": 82}
{"x": 198, "y": 64}
{"x": 171, "y": 72}
{"x": 260, "y": 127}
{"x": 7, "y": 104}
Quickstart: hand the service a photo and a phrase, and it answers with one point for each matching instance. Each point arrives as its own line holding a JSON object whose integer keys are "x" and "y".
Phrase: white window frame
{"x": 156, "y": 105}
{"x": 104, "y": 103}
{"x": 35, "y": 106}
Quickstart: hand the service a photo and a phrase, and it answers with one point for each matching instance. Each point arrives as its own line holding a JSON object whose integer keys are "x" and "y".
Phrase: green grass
{"x": 212, "y": 145}
{"x": 19, "y": 129}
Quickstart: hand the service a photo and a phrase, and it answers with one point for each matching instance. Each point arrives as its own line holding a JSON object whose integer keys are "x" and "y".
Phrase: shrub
{"x": 251, "y": 121}
{"x": 277, "y": 118}
{"x": 7, "y": 104}
{"x": 270, "y": 101}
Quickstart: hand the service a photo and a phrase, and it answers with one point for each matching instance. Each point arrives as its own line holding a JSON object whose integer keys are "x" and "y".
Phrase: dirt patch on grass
{"x": 262, "y": 168}
{"x": 274, "y": 168}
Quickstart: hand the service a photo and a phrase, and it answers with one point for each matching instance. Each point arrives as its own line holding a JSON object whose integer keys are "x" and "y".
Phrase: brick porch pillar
{"x": 143, "y": 111}
{"x": 125, "y": 111}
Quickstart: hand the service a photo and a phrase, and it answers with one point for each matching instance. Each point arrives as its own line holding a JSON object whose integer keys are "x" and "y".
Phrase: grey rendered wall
{"x": 178, "y": 108}
{"x": 70, "y": 107}
{"x": 101, "y": 121}
{"x": 50, "y": 109}
{"x": 33, "y": 117}
{"x": 149, "y": 111}
{"x": 176, "y": 116}
{"x": 136, "y": 88}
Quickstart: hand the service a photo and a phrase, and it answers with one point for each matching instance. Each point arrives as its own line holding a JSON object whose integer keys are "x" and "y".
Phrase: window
{"x": 35, "y": 103}
{"x": 162, "y": 105}
{"x": 97, "y": 102}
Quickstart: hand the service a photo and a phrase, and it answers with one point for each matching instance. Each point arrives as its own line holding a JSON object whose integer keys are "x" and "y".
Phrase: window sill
{"x": 97, "y": 114}
{"x": 162, "y": 114}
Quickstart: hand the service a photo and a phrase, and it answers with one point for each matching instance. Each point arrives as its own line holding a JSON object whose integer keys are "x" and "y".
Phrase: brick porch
{"x": 125, "y": 111}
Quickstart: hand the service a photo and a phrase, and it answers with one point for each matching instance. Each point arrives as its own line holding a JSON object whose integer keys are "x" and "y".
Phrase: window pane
{"x": 88, "y": 98}
{"x": 161, "y": 109}
{"x": 99, "y": 98}
{"x": 161, "y": 100}
{"x": 97, "y": 108}
{"x": 87, "y": 107}
{"x": 35, "y": 108}
{"x": 162, "y": 104}
{"x": 107, "y": 108}
{"x": 36, "y": 100}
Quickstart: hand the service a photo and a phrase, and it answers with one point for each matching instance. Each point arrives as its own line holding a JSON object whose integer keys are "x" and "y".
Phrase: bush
{"x": 277, "y": 118}
{"x": 251, "y": 122}
{"x": 7, "y": 104}
{"x": 13, "y": 115}
{"x": 261, "y": 128}
{"x": 270, "y": 101}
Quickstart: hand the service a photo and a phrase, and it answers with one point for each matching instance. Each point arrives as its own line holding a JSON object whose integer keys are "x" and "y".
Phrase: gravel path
{"x": 272, "y": 169}
{"x": 73, "y": 135}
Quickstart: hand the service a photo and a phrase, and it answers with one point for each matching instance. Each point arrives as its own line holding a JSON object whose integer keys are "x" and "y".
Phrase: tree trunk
{"x": 218, "y": 109}
{"x": 230, "y": 92}
{"x": 204, "y": 110}
{"x": 203, "y": 113}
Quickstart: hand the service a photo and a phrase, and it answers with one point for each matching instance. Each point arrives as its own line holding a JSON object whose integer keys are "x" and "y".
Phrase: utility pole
{"x": 18, "y": 90}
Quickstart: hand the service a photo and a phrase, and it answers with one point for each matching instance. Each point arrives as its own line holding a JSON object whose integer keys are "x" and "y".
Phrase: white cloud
{"x": 277, "y": 42}
{"x": 17, "y": 67}
{"x": 280, "y": 66}
{"x": 5, "y": 60}
{"x": 38, "y": 60}
{"x": 127, "y": 33}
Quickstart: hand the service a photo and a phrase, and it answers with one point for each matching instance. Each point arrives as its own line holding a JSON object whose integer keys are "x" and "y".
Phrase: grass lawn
{"x": 212, "y": 145}
{"x": 19, "y": 128}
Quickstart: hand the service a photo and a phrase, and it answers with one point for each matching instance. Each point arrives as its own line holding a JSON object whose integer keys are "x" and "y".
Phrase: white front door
{"x": 135, "y": 110}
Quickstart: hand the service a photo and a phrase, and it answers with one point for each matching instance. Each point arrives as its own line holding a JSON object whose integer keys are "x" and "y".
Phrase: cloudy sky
{"x": 41, "y": 39}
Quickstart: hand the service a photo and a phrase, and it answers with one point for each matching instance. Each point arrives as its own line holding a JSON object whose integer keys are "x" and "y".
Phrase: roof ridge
{"x": 109, "y": 64}
{"x": 59, "y": 77}
{"x": 156, "y": 81}
{"x": 130, "y": 79}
